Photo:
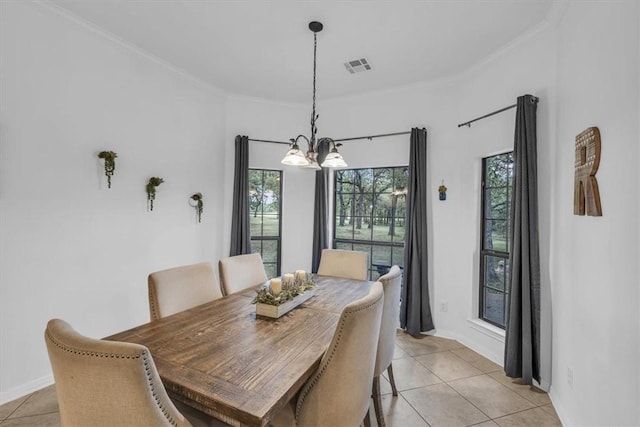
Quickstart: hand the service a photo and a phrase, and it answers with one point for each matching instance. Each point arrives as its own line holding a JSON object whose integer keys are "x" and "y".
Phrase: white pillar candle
{"x": 275, "y": 285}
{"x": 288, "y": 279}
{"x": 301, "y": 274}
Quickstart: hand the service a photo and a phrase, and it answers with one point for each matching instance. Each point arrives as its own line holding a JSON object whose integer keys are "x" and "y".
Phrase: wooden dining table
{"x": 224, "y": 360}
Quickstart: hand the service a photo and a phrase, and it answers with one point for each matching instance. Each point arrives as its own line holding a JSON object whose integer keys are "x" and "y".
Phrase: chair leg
{"x": 367, "y": 420}
{"x": 377, "y": 401}
{"x": 392, "y": 380}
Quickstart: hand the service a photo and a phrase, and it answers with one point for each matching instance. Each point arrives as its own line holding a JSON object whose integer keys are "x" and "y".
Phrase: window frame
{"x": 355, "y": 242}
{"x": 485, "y": 253}
{"x": 262, "y": 238}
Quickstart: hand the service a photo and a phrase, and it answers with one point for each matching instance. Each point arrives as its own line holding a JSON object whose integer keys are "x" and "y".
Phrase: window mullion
{"x": 495, "y": 228}
{"x": 270, "y": 259}
{"x": 366, "y": 201}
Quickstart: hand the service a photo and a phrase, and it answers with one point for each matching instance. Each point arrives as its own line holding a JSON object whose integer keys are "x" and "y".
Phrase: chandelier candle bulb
{"x": 301, "y": 275}
{"x": 275, "y": 285}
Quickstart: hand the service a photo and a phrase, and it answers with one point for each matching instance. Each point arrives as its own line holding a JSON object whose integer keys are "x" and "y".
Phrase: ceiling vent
{"x": 357, "y": 66}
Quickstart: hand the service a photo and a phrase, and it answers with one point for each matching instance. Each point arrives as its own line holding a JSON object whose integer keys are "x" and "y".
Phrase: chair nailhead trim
{"x": 145, "y": 359}
{"x": 316, "y": 378}
{"x": 152, "y": 303}
{"x": 147, "y": 369}
{"x": 90, "y": 353}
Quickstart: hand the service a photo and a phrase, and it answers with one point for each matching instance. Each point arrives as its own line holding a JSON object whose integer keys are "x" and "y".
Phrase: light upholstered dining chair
{"x": 339, "y": 392}
{"x": 240, "y": 272}
{"x": 341, "y": 263}
{"x": 106, "y": 383}
{"x": 181, "y": 288}
{"x": 391, "y": 283}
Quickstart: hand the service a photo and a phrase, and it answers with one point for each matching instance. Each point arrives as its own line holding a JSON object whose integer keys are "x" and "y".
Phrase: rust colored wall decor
{"x": 586, "y": 196}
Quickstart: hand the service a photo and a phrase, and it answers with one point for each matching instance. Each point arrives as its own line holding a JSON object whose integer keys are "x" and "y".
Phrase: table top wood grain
{"x": 223, "y": 360}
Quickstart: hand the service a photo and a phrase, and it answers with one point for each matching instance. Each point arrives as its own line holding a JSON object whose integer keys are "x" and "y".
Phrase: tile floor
{"x": 440, "y": 383}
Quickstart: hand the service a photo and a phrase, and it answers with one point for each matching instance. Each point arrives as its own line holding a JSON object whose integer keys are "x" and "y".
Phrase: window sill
{"x": 487, "y": 329}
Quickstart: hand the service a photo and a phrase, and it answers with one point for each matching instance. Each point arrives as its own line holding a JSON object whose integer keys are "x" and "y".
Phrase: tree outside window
{"x": 369, "y": 215}
{"x": 497, "y": 181}
{"x": 265, "y": 205}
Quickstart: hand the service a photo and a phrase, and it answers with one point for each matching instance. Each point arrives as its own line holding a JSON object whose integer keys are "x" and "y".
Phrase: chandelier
{"x": 295, "y": 156}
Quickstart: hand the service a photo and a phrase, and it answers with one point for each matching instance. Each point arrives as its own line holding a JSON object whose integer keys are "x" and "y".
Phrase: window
{"x": 497, "y": 179}
{"x": 265, "y": 204}
{"x": 369, "y": 214}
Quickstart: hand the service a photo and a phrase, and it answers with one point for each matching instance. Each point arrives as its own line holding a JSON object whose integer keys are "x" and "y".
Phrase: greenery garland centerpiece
{"x": 151, "y": 190}
{"x": 199, "y": 205}
{"x": 109, "y": 164}
{"x": 290, "y": 288}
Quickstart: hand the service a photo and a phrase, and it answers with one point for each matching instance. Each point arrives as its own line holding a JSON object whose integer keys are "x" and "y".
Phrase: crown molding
{"x": 88, "y": 25}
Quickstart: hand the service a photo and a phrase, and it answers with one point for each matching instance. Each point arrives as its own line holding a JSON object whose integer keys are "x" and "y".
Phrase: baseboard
{"x": 24, "y": 389}
{"x": 545, "y": 385}
{"x": 495, "y": 358}
{"x": 562, "y": 414}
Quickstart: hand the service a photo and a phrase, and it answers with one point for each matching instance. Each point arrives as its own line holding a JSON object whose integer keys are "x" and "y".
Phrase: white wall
{"x": 584, "y": 325}
{"x": 262, "y": 119}
{"x": 68, "y": 93}
{"x": 70, "y": 247}
{"x": 276, "y": 121}
{"x": 589, "y": 272}
{"x": 454, "y": 155}
{"x": 594, "y": 274}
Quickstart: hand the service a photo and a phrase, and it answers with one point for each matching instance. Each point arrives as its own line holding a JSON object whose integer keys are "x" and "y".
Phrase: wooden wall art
{"x": 586, "y": 196}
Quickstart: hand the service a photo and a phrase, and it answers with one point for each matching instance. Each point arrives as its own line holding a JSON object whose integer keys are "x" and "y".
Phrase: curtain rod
{"x": 369, "y": 137}
{"x": 270, "y": 142}
{"x": 533, "y": 99}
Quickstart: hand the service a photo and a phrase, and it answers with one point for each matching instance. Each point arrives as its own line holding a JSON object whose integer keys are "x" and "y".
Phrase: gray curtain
{"x": 240, "y": 231}
{"x": 321, "y": 208}
{"x": 415, "y": 311}
{"x": 522, "y": 342}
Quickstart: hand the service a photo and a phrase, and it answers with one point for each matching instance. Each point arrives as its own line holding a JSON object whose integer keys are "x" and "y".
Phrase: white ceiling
{"x": 265, "y": 49}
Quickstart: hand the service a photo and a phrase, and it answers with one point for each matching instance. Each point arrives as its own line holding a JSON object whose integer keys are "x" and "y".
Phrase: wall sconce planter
{"x": 109, "y": 164}
{"x": 442, "y": 190}
{"x": 151, "y": 190}
{"x": 196, "y": 201}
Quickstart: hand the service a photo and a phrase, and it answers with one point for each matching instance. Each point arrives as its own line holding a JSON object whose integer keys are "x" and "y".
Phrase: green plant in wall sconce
{"x": 109, "y": 164}
{"x": 196, "y": 201}
{"x": 151, "y": 190}
{"x": 443, "y": 191}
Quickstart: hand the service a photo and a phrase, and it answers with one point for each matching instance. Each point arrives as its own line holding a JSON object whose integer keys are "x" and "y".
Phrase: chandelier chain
{"x": 295, "y": 156}
{"x": 313, "y": 112}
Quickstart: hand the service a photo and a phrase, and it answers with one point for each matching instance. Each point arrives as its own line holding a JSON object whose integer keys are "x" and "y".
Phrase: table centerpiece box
{"x": 284, "y": 294}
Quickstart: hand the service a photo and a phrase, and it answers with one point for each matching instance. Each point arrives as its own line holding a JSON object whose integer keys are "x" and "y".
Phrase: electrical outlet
{"x": 444, "y": 306}
{"x": 570, "y": 377}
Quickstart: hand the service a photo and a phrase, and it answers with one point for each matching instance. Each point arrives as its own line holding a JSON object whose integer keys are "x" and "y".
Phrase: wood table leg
{"x": 392, "y": 380}
{"x": 367, "y": 420}
{"x": 377, "y": 401}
